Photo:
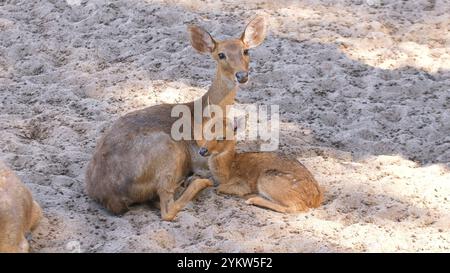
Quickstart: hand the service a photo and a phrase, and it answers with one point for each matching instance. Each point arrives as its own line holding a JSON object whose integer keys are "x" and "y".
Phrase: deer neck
{"x": 221, "y": 165}
{"x": 222, "y": 92}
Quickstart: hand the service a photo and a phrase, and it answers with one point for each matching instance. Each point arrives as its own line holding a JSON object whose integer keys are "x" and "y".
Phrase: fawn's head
{"x": 232, "y": 56}
{"x": 221, "y": 137}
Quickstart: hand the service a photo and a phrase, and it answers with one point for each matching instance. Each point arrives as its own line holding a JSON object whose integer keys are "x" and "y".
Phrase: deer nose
{"x": 242, "y": 76}
{"x": 203, "y": 151}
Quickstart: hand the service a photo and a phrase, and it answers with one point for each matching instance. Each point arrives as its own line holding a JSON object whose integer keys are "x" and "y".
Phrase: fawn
{"x": 137, "y": 159}
{"x": 19, "y": 213}
{"x": 280, "y": 183}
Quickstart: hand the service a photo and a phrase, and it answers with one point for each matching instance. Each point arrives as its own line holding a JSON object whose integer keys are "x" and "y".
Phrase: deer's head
{"x": 218, "y": 136}
{"x": 232, "y": 56}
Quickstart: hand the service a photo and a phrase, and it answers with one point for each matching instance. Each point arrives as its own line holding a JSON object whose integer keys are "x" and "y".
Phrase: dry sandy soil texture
{"x": 363, "y": 87}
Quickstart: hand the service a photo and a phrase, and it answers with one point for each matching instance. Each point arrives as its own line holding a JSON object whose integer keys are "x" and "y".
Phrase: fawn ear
{"x": 255, "y": 32}
{"x": 201, "y": 40}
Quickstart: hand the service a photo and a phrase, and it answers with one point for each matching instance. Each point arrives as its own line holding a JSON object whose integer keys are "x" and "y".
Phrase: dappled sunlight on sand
{"x": 381, "y": 203}
{"x": 377, "y": 41}
{"x": 371, "y": 31}
{"x": 136, "y": 95}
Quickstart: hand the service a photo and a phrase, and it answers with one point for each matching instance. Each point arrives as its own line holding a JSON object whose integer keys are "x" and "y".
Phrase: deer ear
{"x": 255, "y": 32}
{"x": 201, "y": 40}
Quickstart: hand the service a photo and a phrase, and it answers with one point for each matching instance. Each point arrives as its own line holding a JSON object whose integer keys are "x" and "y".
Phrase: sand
{"x": 363, "y": 88}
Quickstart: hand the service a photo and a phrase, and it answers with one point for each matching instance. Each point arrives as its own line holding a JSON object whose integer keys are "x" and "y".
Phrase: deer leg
{"x": 24, "y": 246}
{"x": 170, "y": 208}
{"x": 12, "y": 239}
{"x": 36, "y": 215}
{"x": 262, "y": 202}
{"x": 235, "y": 187}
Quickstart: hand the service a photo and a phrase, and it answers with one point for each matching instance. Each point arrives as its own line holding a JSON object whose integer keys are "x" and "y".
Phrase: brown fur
{"x": 282, "y": 184}
{"x": 137, "y": 159}
{"x": 19, "y": 213}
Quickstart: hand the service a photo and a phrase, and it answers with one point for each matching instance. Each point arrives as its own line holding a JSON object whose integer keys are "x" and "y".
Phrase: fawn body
{"x": 281, "y": 184}
{"x": 137, "y": 159}
{"x": 19, "y": 213}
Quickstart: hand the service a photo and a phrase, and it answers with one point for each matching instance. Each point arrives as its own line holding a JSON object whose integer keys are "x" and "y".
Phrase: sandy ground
{"x": 363, "y": 86}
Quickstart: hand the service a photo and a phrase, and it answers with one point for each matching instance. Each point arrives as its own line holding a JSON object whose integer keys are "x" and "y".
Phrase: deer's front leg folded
{"x": 235, "y": 186}
{"x": 170, "y": 208}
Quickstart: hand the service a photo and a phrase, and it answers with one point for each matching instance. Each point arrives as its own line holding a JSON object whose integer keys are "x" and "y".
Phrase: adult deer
{"x": 137, "y": 159}
{"x": 19, "y": 213}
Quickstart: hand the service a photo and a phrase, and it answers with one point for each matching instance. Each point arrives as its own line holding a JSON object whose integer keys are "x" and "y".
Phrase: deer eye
{"x": 222, "y": 56}
{"x": 246, "y": 52}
